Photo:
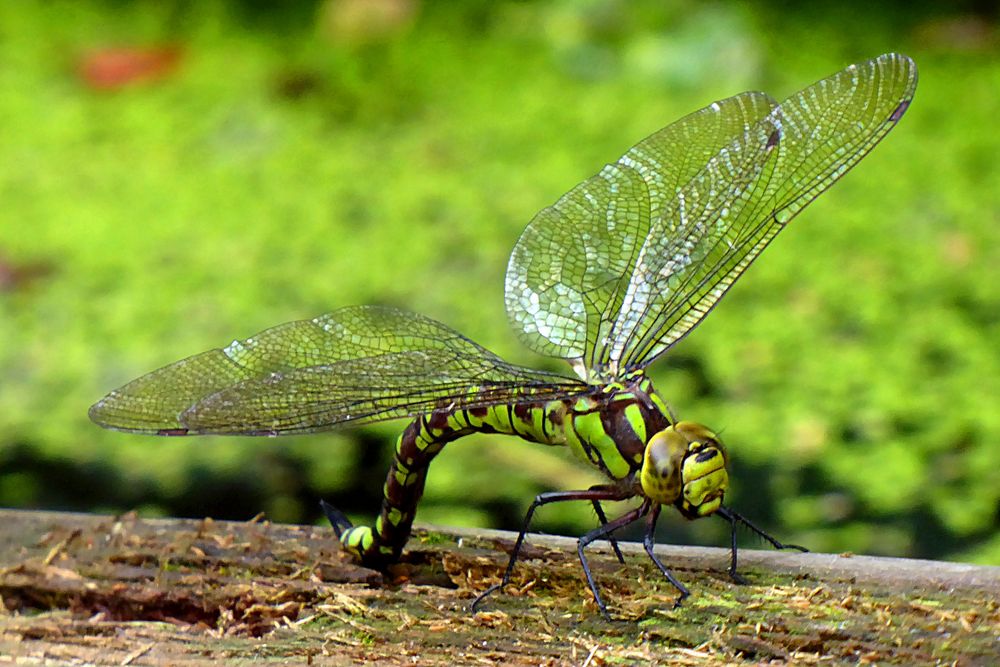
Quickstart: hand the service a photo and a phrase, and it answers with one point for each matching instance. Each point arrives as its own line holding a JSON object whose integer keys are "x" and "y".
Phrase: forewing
{"x": 710, "y": 234}
{"x": 628, "y": 262}
{"x": 570, "y": 270}
{"x": 358, "y": 364}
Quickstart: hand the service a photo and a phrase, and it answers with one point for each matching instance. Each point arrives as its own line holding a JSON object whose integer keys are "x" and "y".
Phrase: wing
{"x": 569, "y": 272}
{"x": 359, "y": 364}
{"x": 690, "y": 243}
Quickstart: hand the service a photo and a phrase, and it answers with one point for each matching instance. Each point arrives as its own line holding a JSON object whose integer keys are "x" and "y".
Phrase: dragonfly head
{"x": 685, "y": 465}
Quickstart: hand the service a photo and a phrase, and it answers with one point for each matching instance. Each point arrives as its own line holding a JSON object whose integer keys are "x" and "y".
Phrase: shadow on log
{"x": 126, "y": 591}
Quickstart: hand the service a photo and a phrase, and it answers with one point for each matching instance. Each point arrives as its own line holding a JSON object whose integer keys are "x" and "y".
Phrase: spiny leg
{"x": 648, "y": 543}
{"x": 734, "y": 520}
{"x": 603, "y": 518}
{"x": 593, "y": 494}
{"x": 602, "y": 532}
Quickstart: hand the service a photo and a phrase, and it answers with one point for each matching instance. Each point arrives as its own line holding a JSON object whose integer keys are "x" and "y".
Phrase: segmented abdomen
{"x": 607, "y": 429}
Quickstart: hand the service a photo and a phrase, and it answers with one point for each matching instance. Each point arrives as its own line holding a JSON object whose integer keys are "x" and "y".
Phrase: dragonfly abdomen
{"x": 417, "y": 446}
{"x": 606, "y": 428}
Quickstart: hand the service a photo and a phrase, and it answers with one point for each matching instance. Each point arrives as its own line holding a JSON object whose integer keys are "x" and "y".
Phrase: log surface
{"x": 128, "y": 591}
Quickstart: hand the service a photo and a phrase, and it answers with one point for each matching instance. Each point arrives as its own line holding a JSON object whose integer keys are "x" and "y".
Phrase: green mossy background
{"x": 304, "y": 156}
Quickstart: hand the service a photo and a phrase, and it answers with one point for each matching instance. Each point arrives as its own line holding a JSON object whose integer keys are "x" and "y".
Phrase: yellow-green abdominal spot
{"x": 538, "y": 418}
{"x": 357, "y": 539}
{"x": 499, "y": 418}
{"x": 403, "y": 476}
{"x": 425, "y": 439}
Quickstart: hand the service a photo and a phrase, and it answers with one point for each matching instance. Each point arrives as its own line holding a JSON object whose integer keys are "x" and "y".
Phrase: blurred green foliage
{"x": 293, "y": 158}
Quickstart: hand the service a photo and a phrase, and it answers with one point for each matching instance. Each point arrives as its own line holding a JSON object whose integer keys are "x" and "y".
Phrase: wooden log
{"x": 124, "y": 590}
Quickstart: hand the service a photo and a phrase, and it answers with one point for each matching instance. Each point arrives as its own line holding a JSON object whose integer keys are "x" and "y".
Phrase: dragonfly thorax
{"x": 627, "y": 431}
{"x": 685, "y": 465}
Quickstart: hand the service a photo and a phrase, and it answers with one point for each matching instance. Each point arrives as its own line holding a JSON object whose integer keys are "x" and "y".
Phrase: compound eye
{"x": 705, "y": 481}
{"x": 661, "y": 477}
{"x": 701, "y": 437}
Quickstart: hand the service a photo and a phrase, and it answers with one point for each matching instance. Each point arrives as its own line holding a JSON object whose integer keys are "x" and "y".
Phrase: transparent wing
{"x": 569, "y": 272}
{"x": 358, "y": 364}
{"x": 709, "y": 228}
{"x": 824, "y": 130}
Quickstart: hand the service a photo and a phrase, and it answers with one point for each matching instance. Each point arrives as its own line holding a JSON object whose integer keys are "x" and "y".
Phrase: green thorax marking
{"x": 607, "y": 427}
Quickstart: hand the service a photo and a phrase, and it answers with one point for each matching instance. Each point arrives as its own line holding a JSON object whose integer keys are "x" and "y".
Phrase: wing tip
{"x": 900, "y": 109}
{"x": 99, "y": 412}
{"x": 905, "y": 65}
{"x": 109, "y": 413}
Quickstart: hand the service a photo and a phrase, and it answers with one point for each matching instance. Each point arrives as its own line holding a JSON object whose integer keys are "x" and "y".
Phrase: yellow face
{"x": 685, "y": 465}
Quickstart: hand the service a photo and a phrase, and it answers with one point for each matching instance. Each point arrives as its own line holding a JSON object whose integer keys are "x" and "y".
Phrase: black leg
{"x": 734, "y": 520}
{"x": 594, "y": 494}
{"x": 647, "y": 542}
{"x": 601, "y": 532}
{"x": 602, "y": 517}
{"x": 733, "y": 574}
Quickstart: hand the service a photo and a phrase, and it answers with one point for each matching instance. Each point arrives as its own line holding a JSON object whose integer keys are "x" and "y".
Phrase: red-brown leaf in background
{"x": 115, "y": 67}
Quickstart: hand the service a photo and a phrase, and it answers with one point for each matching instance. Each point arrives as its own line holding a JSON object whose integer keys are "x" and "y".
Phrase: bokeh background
{"x": 174, "y": 175}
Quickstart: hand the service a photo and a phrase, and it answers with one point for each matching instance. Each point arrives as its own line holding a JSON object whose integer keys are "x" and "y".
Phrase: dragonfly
{"x": 609, "y": 278}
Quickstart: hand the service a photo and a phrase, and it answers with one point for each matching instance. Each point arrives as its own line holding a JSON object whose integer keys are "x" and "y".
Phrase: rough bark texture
{"x": 122, "y": 590}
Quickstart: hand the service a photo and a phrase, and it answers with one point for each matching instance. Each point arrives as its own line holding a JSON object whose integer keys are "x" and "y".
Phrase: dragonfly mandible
{"x": 609, "y": 277}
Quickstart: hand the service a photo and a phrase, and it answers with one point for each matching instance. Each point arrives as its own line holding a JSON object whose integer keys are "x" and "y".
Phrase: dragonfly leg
{"x": 648, "y": 543}
{"x": 735, "y": 519}
{"x": 593, "y": 494}
{"x": 602, "y": 532}
{"x": 603, "y": 518}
